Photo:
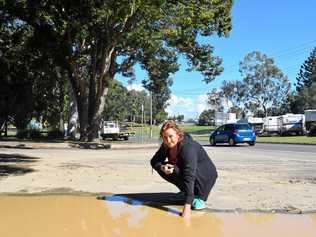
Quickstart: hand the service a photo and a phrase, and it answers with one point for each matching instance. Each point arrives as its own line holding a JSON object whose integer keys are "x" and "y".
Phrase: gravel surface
{"x": 249, "y": 179}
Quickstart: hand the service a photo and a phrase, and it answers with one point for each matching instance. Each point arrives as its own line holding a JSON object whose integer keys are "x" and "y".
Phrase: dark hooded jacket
{"x": 193, "y": 164}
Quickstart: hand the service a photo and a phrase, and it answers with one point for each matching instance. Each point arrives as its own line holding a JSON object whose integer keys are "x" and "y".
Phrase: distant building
{"x": 222, "y": 118}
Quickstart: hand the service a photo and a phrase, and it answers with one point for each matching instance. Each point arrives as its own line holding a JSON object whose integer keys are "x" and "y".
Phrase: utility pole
{"x": 142, "y": 123}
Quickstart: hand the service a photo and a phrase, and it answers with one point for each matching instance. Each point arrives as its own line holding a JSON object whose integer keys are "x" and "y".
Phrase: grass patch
{"x": 288, "y": 139}
{"x": 274, "y": 139}
{"x": 197, "y": 130}
{"x": 191, "y": 129}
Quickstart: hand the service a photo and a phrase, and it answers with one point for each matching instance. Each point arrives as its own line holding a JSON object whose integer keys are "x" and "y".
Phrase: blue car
{"x": 233, "y": 133}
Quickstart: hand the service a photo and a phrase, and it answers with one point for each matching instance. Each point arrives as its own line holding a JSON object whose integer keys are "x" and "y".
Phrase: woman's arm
{"x": 158, "y": 158}
{"x": 186, "y": 211}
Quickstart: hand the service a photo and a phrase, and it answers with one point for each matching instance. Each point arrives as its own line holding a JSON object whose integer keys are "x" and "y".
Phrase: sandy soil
{"x": 270, "y": 181}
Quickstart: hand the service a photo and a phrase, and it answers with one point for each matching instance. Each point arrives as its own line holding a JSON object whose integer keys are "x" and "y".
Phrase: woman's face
{"x": 170, "y": 138}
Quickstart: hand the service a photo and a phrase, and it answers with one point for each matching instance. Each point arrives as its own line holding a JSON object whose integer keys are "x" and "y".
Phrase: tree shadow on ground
{"x": 19, "y": 146}
{"x": 17, "y": 158}
{"x": 89, "y": 145}
{"x": 162, "y": 200}
{"x": 8, "y": 164}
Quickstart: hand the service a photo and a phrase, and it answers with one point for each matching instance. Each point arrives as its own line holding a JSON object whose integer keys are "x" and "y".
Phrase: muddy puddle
{"x": 67, "y": 216}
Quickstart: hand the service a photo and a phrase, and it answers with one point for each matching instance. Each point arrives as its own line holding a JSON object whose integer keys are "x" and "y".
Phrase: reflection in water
{"x": 67, "y": 216}
{"x": 119, "y": 206}
{"x": 141, "y": 199}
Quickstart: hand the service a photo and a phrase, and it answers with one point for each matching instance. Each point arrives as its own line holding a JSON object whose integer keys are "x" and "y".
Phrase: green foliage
{"x": 115, "y": 108}
{"x": 307, "y": 73}
{"x": 16, "y": 101}
{"x": 207, "y": 118}
{"x": 264, "y": 84}
{"x": 179, "y": 118}
{"x": 94, "y": 40}
{"x": 215, "y": 100}
{"x": 124, "y": 105}
{"x": 263, "y": 89}
{"x": 304, "y": 97}
{"x": 32, "y": 84}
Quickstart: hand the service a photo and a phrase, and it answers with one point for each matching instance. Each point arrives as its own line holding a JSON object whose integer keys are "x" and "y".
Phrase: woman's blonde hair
{"x": 171, "y": 124}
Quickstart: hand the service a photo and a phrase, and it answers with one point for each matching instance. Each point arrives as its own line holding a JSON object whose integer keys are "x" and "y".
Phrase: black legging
{"x": 201, "y": 191}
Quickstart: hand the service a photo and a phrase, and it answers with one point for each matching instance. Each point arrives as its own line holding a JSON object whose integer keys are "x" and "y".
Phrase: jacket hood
{"x": 187, "y": 139}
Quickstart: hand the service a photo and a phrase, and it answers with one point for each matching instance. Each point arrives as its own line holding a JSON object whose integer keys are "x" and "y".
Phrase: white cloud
{"x": 175, "y": 100}
{"x": 202, "y": 103}
{"x": 136, "y": 87}
{"x": 189, "y": 107}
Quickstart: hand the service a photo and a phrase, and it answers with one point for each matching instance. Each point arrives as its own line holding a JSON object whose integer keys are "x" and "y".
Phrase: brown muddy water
{"x": 67, "y": 216}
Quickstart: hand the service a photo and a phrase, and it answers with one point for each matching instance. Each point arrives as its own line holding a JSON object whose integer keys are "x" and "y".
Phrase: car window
{"x": 228, "y": 127}
{"x": 242, "y": 126}
{"x": 221, "y": 128}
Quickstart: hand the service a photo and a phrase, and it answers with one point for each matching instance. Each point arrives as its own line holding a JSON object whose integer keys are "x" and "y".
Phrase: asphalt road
{"x": 273, "y": 147}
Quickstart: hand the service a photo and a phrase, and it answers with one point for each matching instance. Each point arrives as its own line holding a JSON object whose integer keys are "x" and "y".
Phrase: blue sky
{"x": 282, "y": 29}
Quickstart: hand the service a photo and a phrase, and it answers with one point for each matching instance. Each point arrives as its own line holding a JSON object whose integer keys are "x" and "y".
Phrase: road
{"x": 274, "y": 147}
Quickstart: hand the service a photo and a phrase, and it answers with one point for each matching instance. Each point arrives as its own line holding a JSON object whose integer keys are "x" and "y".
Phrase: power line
{"x": 289, "y": 52}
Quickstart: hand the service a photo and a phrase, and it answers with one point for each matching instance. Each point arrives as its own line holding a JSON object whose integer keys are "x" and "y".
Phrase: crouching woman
{"x": 183, "y": 162}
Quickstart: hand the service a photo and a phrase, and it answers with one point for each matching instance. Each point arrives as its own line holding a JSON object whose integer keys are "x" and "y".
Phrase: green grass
{"x": 191, "y": 129}
{"x": 288, "y": 139}
{"x": 275, "y": 139}
{"x": 197, "y": 130}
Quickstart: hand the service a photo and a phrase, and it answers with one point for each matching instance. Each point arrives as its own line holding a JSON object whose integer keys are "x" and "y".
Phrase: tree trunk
{"x": 61, "y": 107}
{"x": 73, "y": 115}
{"x": 265, "y": 111}
{"x": 98, "y": 89}
{"x": 98, "y": 108}
{"x": 91, "y": 97}
{"x": 83, "y": 117}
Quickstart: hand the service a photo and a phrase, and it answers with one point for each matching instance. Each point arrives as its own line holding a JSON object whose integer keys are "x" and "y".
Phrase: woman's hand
{"x": 186, "y": 212}
{"x": 167, "y": 168}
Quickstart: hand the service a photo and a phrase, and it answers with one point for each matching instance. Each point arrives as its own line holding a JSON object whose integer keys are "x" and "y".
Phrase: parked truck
{"x": 112, "y": 130}
{"x": 291, "y": 124}
{"x": 310, "y": 122}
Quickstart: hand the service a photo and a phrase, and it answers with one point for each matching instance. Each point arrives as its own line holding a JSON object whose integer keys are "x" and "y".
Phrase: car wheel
{"x": 212, "y": 141}
{"x": 231, "y": 142}
{"x": 252, "y": 143}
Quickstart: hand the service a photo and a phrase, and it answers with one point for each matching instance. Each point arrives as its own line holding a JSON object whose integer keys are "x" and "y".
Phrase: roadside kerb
{"x": 72, "y": 145}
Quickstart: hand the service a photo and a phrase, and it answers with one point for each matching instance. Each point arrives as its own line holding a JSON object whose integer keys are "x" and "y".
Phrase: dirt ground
{"x": 248, "y": 181}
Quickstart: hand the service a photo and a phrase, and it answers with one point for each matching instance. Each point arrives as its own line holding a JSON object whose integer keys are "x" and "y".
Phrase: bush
{"x": 22, "y": 133}
{"x": 55, "y": 134}
{"x": 34, "y": 133}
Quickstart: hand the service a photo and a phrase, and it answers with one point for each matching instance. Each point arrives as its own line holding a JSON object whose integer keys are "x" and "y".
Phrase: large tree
{"x": 304, "y": 96}
{"x": 234, "y": 93}
{"x": 215, "y": 100}
{"x": 31, "y": 83}
{"x": 264, "y": 83}
{"x": 307, "y": 73}
{"x": 94, "y": 40}
{"x": 16, "y": 66}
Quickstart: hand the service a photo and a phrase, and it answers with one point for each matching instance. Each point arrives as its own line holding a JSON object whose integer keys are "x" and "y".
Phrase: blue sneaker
{"x": 198, "y": 204}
